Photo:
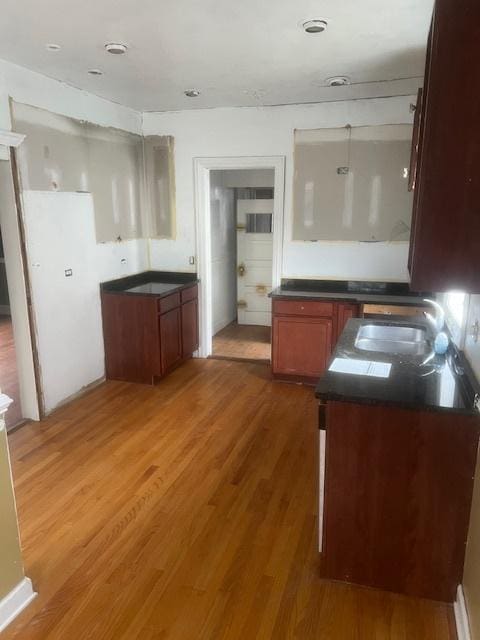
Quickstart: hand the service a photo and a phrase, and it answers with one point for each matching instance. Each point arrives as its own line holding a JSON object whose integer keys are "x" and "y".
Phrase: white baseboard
{"x": 461, "y": 616}
{"x": 15, "y": 602}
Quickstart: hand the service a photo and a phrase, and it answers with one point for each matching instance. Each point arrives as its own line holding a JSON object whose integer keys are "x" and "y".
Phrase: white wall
{"x": 472, "y": 348}
{"x": 251, "y": 178}
{"x": 269, "y": 131}
{"x": 223, "y": 239}
{"x": 111, "y": 260}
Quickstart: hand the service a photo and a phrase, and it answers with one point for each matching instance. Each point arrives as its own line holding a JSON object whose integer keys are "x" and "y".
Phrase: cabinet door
{"x": 301, "y": 346}
{"x": 344, "y": 313}
{"x": 189, "y": 327}
{"x": 445, "y": 237}
{"x": 170, "y": 339}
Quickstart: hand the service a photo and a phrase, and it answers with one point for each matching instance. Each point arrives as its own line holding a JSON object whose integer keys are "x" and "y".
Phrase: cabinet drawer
{"x": 189, "y": 294}
{"x": 303, "y": 308}
{"x": 169, "y": 302}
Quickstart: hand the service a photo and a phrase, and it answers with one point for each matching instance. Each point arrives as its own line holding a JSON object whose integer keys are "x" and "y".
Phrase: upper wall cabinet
{"x": 445, "y": 239}
{"x": 350, "y": 184}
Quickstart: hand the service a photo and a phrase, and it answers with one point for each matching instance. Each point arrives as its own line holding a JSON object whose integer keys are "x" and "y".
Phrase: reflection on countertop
{"x": 150, "y": 283}
{"x": 420, "y": 382}
{"x": 390, "y": 293}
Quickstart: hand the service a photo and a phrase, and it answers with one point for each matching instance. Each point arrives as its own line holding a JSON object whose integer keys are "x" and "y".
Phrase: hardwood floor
{"x": 8, "y": 371}
{"x": 250, "y": 342}
{"x": 188, "y": 511}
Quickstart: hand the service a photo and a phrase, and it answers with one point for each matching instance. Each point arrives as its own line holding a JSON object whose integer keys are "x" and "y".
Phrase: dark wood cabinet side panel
{"x": 189, "y": 327}
{"x": 398, "y": 490}
{"x": 131, "y": 340}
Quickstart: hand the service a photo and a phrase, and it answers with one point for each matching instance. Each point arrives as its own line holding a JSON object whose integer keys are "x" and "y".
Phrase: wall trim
{"x": 15, "y": 602}
{"x": 202, "y": 168}
{"x": 461, "y": 616}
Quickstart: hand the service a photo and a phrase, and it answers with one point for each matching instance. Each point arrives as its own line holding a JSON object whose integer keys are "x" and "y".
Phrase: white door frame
{"x": 202, "y": 168}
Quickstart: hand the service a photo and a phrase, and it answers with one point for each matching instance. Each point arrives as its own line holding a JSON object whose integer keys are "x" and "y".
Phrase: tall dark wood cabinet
{"x": 445, "y": 237}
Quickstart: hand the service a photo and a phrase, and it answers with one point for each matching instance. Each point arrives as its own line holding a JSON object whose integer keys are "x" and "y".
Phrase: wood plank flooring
{"x": 188, "y": 511}
{"x": 8, "y": 371}
{"x": 251, "y": 342}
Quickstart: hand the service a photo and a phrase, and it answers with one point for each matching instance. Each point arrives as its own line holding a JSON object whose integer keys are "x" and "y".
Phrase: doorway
{"x": 240, "y": 235}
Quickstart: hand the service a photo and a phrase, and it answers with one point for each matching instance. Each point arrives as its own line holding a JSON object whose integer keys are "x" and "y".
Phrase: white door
{"x": 254, "y": 261}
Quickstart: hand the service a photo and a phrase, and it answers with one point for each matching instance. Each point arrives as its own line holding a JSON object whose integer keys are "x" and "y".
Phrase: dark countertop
{"x": 150, "y": 283}
{"x": 437, "y": 385}
{"x": 396, "y": 293}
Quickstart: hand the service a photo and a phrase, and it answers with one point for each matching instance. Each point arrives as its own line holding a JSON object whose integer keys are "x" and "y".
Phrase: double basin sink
{"x": 397, "y": 339}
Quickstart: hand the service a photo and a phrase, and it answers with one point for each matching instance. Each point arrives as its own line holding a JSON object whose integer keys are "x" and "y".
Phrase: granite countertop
{"x": 395, "y": 293}
{"x": 150, "y": 283}
{"x": 437, "y": 385}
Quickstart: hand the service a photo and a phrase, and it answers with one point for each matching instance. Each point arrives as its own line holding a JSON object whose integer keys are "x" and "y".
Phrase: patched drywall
{"x": 269, "y": 131}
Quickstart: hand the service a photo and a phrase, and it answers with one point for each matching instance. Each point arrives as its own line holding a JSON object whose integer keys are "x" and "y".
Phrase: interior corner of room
{"x": 240, "y": 321}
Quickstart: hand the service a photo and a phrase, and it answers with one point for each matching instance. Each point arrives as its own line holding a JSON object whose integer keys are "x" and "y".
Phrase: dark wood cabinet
{"x": 344, "y": 313}
{"x": 170, "y": 339}
{"x": 445, "y": 237}
{"x": 397, "y": 491}
{"x": 146, "y": 336}
{"x": 301, "y": 345}
{"x": 189, "y": 327}
{"x": 304, "y": 333}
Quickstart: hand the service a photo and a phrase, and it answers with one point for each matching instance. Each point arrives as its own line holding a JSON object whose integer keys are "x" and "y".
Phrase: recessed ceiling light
{"x": 116, "y": 48}
{"x": 192, "y": 93}
{"x": 314, "y": 26}
{"x": 338, "y": 81}
{"x": 95, "y": 72}
{"x": 51, "y": 46}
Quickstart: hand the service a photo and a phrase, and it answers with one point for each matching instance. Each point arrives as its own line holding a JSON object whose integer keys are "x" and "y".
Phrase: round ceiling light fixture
{"x": 95, "y": 72}
{"x": 52, "y": 46}
{"x": 338, "y": 81}
{"x": 192, "y": 93}
{"x": 314, "y": 26}
{"x": 117, "y": 48}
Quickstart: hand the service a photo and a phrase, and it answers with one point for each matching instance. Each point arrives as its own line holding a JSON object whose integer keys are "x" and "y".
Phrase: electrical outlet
{"x": 68, "y": 273}
{"x": 123, "y": 261}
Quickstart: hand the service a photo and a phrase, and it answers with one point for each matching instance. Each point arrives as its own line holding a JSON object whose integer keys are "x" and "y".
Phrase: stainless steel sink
{"x": 383, "y": 338}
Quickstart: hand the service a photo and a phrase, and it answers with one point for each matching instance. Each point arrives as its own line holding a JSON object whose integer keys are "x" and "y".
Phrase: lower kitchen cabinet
{"x": 146, "y": 336}
{"x": 189, "y": 327}
{"x": 301, "y": 346}
{"x": 304, "y": 333}
{"x": 395, "y": 494}
{"x": 170, "y": 328}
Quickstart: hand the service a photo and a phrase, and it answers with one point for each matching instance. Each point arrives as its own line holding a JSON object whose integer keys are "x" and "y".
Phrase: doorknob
{"x": 241, "y": 270}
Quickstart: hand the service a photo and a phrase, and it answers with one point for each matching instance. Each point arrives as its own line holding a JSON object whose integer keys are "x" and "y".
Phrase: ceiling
{"x": 247, "y": 53}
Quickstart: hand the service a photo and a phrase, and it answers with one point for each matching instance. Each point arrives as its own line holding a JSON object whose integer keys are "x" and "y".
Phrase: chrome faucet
{"x": 438, "y": 320}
